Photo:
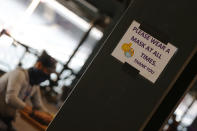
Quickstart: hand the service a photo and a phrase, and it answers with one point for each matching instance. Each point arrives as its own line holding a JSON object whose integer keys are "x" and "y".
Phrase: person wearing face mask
{"x": 21, "y": 84}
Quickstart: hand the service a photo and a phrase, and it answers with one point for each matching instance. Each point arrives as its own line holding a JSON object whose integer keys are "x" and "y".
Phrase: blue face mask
{"x": 127, "y": 54}
{"x": 37, "y": 76}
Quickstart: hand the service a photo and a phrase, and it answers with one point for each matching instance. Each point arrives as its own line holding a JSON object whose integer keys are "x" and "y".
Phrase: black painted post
{"x": 110, "y": 98}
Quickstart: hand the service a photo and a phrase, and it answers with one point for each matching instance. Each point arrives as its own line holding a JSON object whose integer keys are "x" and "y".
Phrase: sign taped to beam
{"x": 143, "y": 52}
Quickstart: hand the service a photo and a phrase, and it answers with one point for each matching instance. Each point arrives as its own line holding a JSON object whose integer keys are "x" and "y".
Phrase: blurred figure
{"x": 21, "y": 84}
{"x": 174, "y": 125}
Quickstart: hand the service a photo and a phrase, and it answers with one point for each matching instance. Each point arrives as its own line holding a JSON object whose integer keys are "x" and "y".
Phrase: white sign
{"x": 143, "y": 52}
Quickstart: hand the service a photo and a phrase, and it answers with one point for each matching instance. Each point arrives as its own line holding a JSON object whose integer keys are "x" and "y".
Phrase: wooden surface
{"x": 33, "y": 122}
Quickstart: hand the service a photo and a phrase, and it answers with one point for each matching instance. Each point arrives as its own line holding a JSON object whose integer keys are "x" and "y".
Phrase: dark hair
{"x": 47, "y": 61}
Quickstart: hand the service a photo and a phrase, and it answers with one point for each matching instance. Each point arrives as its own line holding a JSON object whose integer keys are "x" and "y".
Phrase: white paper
{"x": 144, "y": 52}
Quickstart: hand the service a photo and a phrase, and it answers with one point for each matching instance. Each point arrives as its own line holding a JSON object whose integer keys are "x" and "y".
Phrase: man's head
{"x": 41, "y": 71}
{"x": 46, "y": 63}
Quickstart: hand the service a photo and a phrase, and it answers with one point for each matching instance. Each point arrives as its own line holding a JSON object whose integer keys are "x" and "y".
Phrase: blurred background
{"x": 71, "y": 31}
{"x": 184, "y": 118}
